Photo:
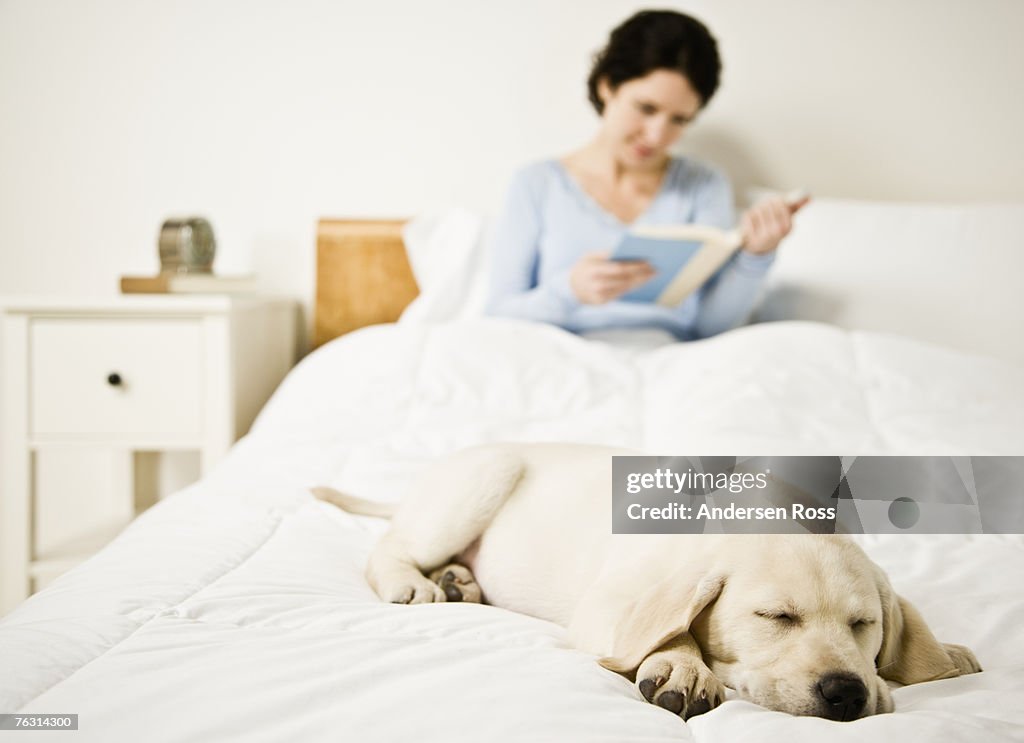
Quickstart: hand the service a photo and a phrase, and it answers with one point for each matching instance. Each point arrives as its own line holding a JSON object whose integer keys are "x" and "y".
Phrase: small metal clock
{"x": 186, "y": 246}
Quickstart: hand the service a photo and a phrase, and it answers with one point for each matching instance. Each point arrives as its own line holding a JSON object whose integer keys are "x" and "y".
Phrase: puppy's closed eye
{"x": 780, "y": 617}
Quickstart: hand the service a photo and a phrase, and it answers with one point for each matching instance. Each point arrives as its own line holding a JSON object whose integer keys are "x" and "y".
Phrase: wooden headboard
{"x": 363, "y": 276}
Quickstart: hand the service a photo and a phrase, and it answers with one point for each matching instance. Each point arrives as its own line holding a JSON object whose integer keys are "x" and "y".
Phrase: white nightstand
{"x": 117, "y": 377}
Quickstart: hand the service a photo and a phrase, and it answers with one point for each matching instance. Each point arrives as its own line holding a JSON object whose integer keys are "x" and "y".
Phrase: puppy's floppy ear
{"x": 624, "y": 627}
{"x": 910, "y": 654}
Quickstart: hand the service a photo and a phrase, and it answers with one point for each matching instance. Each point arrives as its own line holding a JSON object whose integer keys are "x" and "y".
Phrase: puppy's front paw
{"x": 963, "y": 658}
{"x": 679, "y": 683}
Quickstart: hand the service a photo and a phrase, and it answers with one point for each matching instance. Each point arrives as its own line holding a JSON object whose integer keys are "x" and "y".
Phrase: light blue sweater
{"x": 549, "y": 222}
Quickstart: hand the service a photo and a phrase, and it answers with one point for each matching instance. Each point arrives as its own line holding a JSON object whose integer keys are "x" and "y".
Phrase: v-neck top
{"x": 667, "y": 179}
{"x": 549, "y": 222}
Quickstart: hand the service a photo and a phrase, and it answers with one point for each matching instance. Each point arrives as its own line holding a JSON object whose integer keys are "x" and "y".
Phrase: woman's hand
{"x": 596, "y": 280}
{"x": 765, "y": 224}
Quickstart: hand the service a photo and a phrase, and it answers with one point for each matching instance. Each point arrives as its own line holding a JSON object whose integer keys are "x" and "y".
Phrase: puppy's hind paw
{"x": 458, "y": 583}
{"x": 421, "y": 591}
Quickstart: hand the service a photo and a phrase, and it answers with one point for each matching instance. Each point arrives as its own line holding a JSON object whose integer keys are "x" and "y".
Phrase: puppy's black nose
{"x": 843, "y": 696}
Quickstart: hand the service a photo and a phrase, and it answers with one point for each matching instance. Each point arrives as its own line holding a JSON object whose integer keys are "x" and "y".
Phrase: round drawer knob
{"x": 114, "y": 379}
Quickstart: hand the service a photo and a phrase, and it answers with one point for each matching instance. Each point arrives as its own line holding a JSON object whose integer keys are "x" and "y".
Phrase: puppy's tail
{"x": 352, "y": 504}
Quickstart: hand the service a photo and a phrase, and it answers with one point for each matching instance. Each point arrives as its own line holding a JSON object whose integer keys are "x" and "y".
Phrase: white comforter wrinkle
{"x": 16, "y": 692}
{"x": 150, "y": 613}
{"x": 20, "y": 706}
{"x": 372, "y": 627}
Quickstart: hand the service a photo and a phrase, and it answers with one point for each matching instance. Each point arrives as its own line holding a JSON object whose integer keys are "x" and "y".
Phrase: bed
{"x": 236, "y": 609}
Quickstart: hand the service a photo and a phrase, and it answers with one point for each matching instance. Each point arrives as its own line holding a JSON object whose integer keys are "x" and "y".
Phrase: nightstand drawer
{"x": 115, "y": 376}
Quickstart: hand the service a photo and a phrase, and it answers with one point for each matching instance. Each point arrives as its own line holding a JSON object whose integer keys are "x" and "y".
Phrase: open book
{"x": 683, "y": 256}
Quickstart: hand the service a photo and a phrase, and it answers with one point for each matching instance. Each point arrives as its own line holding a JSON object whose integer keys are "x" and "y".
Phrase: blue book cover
{"x": 667, "y": 257}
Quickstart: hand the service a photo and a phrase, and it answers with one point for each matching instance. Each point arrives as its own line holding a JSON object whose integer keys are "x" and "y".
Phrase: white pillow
{"x": 448, "y": 254}
{"x": 949, "y": 274}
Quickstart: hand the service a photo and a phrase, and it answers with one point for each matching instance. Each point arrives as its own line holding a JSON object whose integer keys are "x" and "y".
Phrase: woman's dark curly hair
{"x": 657, "y": 40}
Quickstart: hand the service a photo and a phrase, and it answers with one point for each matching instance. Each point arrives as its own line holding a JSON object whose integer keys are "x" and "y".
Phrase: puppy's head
{"x": 797, "y": 623}
{"x": 798, "y": 629}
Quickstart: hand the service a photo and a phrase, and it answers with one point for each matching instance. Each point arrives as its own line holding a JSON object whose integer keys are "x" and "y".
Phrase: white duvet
{"x": 237, "y": 610}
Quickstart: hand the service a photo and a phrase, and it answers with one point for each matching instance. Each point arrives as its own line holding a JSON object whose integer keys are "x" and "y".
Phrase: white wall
{"x": 265, "y": 116}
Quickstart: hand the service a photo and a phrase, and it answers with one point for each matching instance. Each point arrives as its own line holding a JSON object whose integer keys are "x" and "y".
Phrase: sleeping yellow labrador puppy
{"x": 805, "y": 624}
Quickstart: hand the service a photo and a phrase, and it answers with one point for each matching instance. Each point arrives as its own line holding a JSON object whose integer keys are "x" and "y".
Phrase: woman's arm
{"x": 515, "y": 254}
{"x": 727, "y": 298}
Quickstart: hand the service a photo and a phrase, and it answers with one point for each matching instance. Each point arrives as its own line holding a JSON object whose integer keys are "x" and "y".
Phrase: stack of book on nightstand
{"x": 188, "y": 283}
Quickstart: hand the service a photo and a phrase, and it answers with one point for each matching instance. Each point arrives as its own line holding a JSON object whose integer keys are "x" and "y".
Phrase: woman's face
{"x": 645, "y": 116}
